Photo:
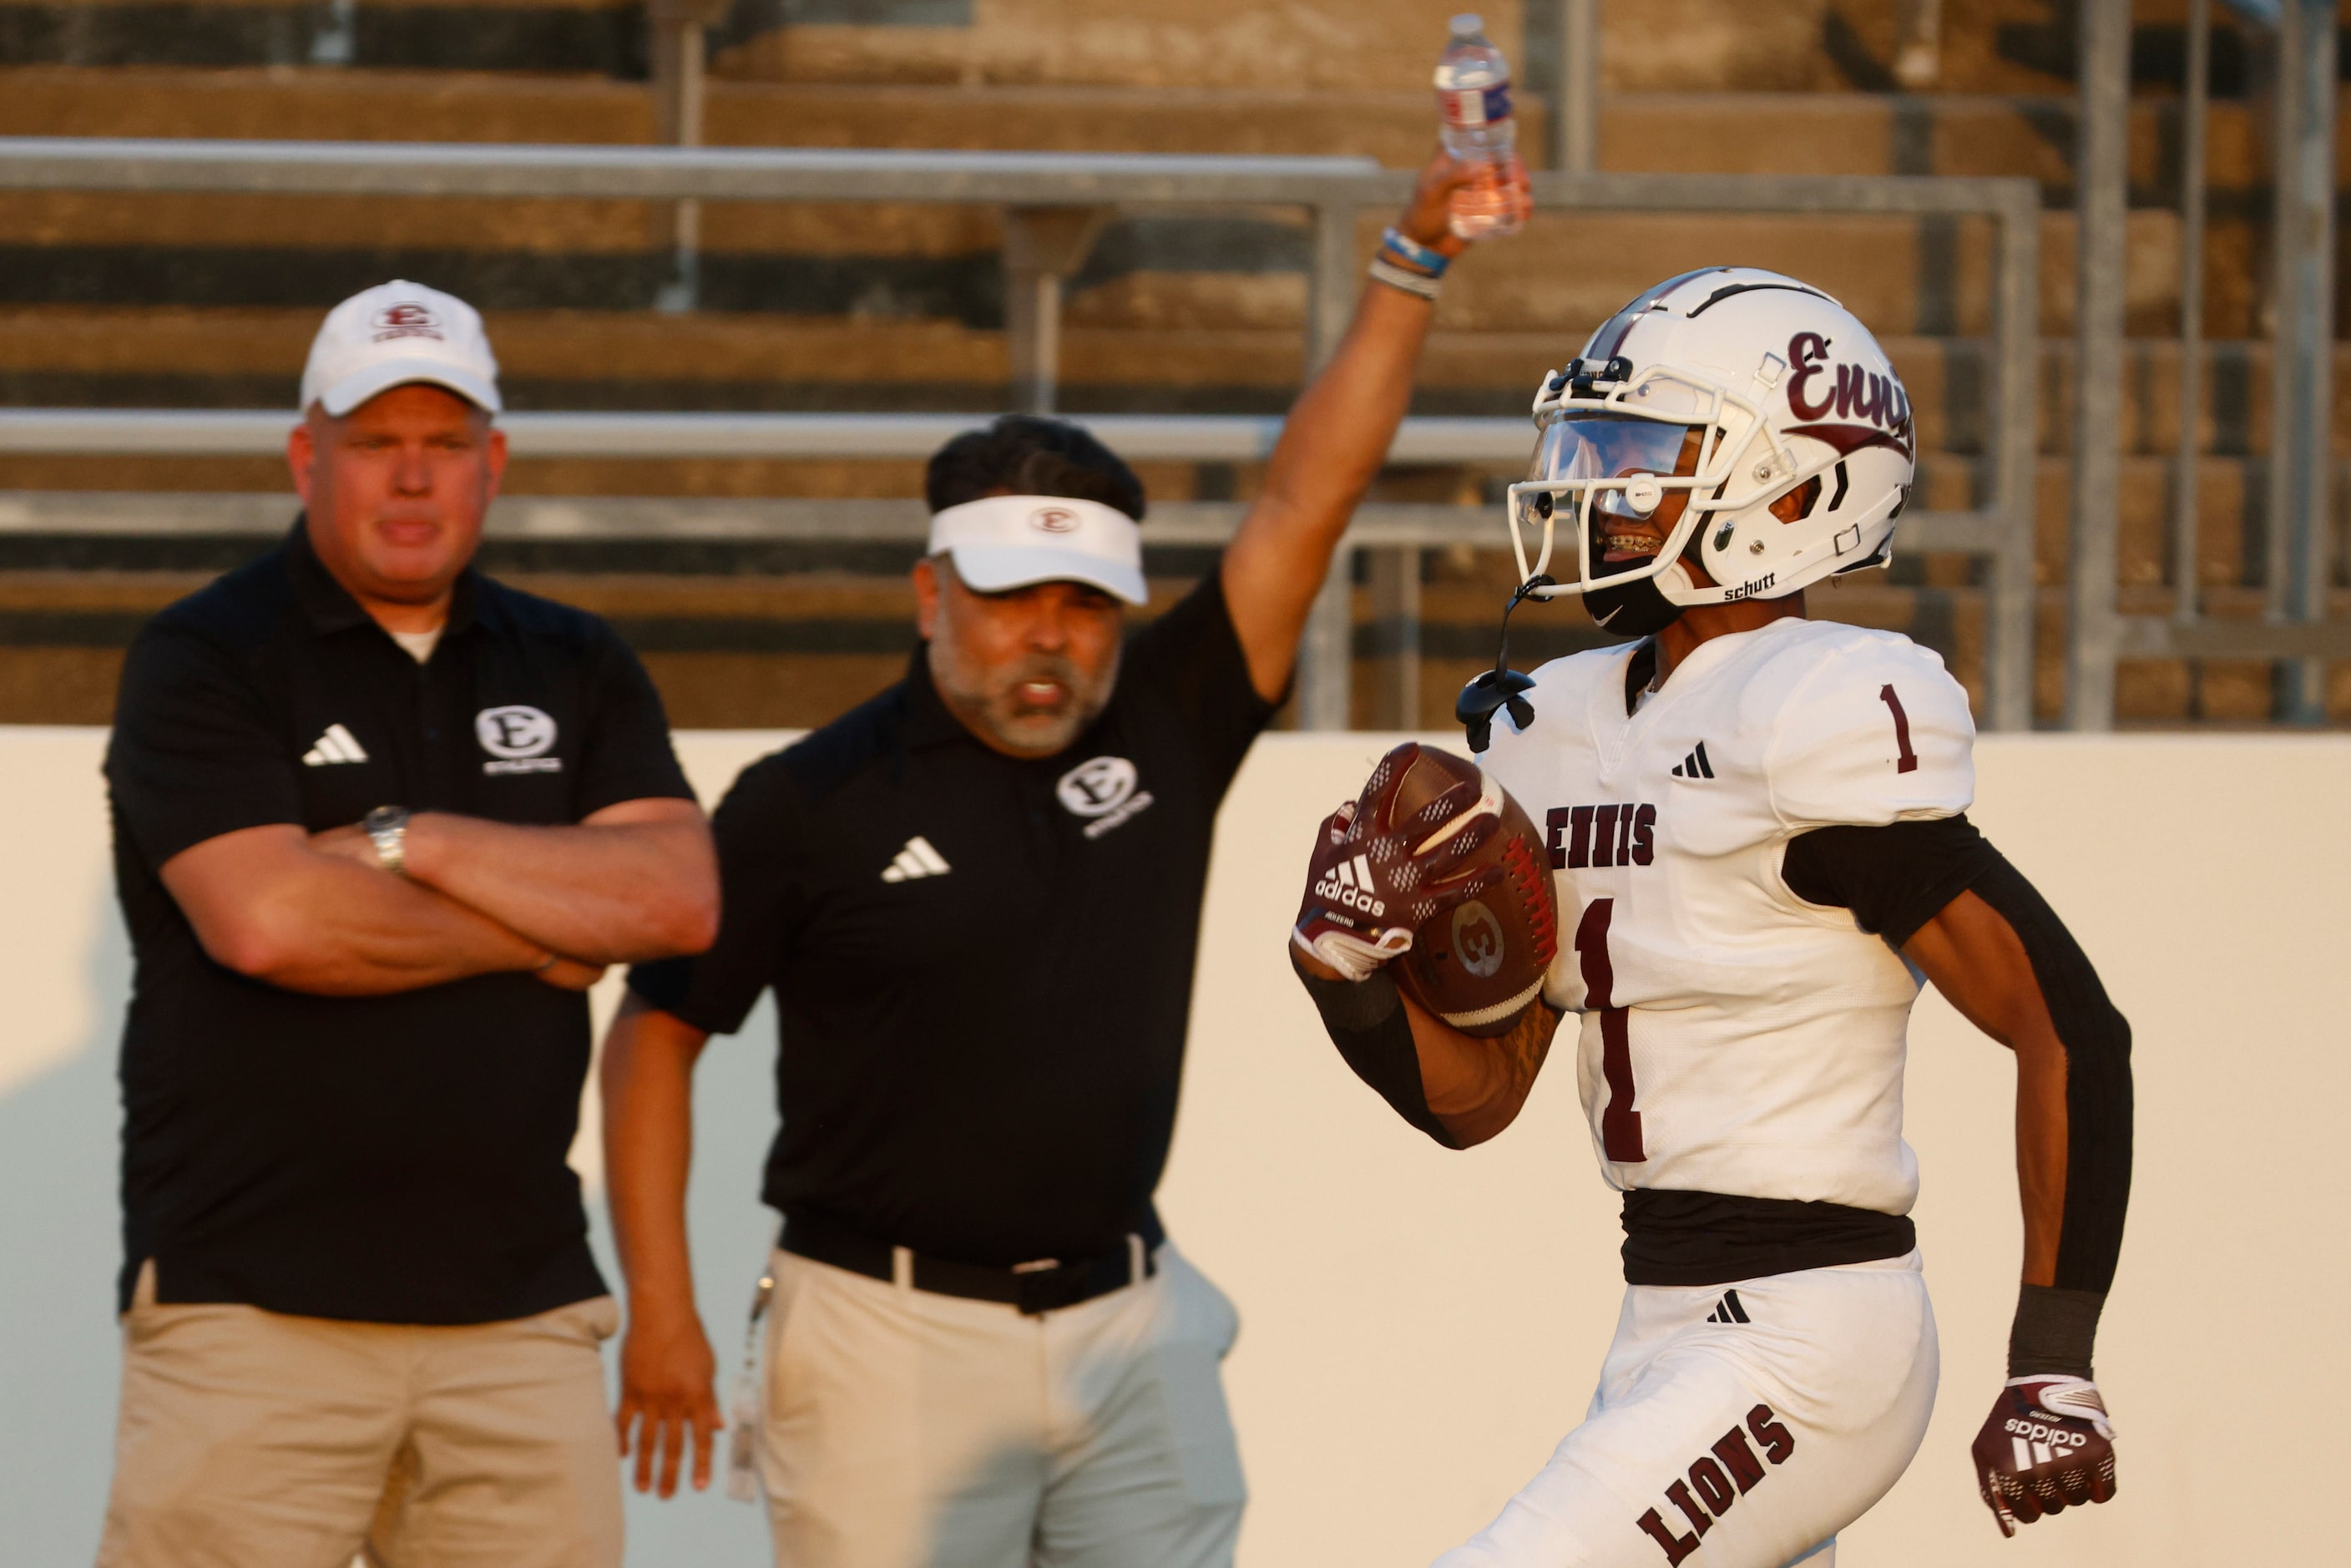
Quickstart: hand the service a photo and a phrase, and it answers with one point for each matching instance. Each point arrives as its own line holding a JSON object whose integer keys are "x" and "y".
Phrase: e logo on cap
{"x": 1053, "y": 520}
{"x": 408, "y": 318}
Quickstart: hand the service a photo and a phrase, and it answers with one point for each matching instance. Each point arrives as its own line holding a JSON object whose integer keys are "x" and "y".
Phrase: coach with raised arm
{"x": 976, "y": 898}
{"x": 379, "y": 823}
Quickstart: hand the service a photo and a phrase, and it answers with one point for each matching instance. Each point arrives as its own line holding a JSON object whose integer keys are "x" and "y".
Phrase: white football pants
{"x": 904, "y": 1429}
{"x": 1733, "y": 1433}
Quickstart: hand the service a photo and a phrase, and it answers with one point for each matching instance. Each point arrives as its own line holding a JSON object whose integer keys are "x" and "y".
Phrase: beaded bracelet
{"x": 1382, "y": 270}
{"x": 1410, "y": 253}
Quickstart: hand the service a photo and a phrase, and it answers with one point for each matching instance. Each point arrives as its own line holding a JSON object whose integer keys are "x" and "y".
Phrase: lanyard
{"x": 743, "y": 1432}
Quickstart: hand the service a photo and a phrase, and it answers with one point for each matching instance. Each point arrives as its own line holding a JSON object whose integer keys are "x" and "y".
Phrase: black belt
{"x": 1047, "y": 1285}
{"x": 1675, "y": 1238}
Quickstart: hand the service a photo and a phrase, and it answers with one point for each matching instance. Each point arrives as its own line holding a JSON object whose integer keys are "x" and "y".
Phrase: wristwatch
{"x": 386, "y": 826}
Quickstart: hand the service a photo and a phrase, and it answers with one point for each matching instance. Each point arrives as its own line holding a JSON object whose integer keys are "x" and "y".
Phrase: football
{"x": 1480, "y": 965}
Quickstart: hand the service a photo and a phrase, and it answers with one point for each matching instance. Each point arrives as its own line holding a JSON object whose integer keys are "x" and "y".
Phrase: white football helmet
{"x": 1736, "y": 388}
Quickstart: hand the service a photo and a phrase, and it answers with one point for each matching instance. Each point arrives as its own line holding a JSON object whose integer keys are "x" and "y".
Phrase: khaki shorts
{"x": 252, "y": 1439}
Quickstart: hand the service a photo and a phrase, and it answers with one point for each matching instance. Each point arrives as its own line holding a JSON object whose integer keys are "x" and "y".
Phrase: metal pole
{"x": 1043, "y": 247}
{"x": 2303, "y": 389}
{"x": 678, "y": 27}
{"x": 2016, "y": 438}
{"x": 2184, "y": 499}
{"x": 1326, "y": 653}
{"x": 2100, "y": 170}
{"x": 1575, "y": 115}
{"x": 1395, "y": 619}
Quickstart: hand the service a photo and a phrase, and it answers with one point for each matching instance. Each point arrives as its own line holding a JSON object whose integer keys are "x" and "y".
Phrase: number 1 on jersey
{"x": 1620, "y": 1124}
{"x": 1905, "y": 759}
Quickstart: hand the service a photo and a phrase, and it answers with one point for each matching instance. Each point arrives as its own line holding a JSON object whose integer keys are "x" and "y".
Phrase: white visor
{"x": 1001, "y": 542}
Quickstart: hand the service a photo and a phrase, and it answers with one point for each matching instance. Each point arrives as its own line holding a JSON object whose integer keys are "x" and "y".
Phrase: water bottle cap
{"x": 1467, "y": 23}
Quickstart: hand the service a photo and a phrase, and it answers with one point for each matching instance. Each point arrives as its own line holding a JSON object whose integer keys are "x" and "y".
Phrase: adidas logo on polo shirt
{"x": 917, "y": 860}
{"x": 338, "y": 744}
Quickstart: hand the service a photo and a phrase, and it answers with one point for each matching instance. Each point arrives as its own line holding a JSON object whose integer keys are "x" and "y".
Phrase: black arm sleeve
{"x": 1897, "y": 878}
{"x": 1894, "y": 878}
{"x": 1366, "y": 1020}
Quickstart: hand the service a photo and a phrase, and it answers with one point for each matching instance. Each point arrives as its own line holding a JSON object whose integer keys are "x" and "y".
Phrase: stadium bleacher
{"x": 209, "y": 302}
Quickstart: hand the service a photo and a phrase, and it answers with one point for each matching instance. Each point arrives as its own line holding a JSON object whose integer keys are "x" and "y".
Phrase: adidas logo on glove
{"x": 1350, "y": 888}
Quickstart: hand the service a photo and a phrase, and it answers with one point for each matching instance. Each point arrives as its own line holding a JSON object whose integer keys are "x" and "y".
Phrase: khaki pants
{"x": 252, "y": 1439}
{"x": 910, "y": 1430}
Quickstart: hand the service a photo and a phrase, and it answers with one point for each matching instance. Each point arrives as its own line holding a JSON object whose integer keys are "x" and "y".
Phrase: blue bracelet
{"x": 1415, "y": 255}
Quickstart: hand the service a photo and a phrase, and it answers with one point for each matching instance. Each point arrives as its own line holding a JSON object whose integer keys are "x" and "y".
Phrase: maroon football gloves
{"x": 1369, "y": 887}
{"x": 2046, "y": 1445}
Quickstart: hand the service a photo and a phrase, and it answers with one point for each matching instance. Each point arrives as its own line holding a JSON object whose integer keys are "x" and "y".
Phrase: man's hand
{"x": 569, "y": 974}
{"x": 348, "y": 842}
{"x": 667, "y": 1392}
{"x": 1426, "y": 219}
{"x": 2047, "y": 1445}
{"x": 1366, "y": 890}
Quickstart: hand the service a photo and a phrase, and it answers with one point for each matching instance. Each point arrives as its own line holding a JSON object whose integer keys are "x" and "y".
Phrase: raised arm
{"x": 637, "y": 880}
{"x": 1331, "y": 449}
{"x": 267, "y": 904}
{"x": 667, "y": 1393}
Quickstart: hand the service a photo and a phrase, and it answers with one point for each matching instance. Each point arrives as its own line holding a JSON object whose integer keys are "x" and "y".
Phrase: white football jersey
{"x": 1736, "y": 1039}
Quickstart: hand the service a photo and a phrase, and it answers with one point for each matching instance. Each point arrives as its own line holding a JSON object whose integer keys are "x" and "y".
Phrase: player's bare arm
{"x": 636, "y": 880}
{"x": 269, "y": 905}
{"x": 1423, "y": 938}
{"x": 1477, "y": 1087}
{"x": 668, "y": 1401}
{"x": 1974, "y": 958}
{"x": 1331, "y": 449}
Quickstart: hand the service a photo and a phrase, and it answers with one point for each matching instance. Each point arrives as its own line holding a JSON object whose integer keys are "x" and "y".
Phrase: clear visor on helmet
{"x": 1587, "y": 447}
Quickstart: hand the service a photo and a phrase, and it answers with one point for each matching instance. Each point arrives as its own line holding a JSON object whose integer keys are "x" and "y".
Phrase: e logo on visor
{"x": 1053, "y": 520}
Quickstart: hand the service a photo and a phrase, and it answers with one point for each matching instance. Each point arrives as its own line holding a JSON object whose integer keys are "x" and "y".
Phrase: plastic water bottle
{"x": 1473, "y": 104}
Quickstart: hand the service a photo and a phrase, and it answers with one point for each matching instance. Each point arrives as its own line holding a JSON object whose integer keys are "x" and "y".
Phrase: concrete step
{"x": 1987, "y": 46}
{"x": 602, "y": 36}
{"x": 1660, "y": 131}
{"x": 133, "y": 357}
{"x": 1210, "y": 270}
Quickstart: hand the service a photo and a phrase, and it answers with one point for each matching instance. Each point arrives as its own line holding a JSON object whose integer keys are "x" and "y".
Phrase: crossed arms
{"x": 316, "y": 913}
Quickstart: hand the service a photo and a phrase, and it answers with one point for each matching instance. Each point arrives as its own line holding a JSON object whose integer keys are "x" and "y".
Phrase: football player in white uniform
{"x": 1757, "y": 830}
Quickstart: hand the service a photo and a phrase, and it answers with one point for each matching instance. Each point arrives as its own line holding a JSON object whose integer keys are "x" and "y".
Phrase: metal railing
{"x": 2294, "y": 631}
{"x": 1050, "y": 186}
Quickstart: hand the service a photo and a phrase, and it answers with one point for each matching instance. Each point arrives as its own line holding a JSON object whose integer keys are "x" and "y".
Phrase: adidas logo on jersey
{"x": 1717, "y": 1479}
{"x": 1728, "y": 1309}
{"x": 1582, "y": 836}
{"x": 1695, "y": 765}
{"x": 1350, "y": 885}
{"x": 338, "y": 744}
{"x": 916, "y": 860}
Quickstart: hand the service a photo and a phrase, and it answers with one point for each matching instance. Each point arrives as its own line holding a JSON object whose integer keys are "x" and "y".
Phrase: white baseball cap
{"x": 1000, "y": 542}
{"x": 395, "y": 333}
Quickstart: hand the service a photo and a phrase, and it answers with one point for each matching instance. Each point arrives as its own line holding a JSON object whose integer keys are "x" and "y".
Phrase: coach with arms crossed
{"x": 977, "y": 897}
{"x": 379, "y": 823}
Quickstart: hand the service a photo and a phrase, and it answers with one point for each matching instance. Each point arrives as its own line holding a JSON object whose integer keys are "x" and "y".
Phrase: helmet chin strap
{"x": 1501, "y": 687}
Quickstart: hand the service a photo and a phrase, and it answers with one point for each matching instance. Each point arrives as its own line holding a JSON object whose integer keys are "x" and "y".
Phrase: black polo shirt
{"x": 983, "y": 965}
{"x": 396, "y": 1158}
